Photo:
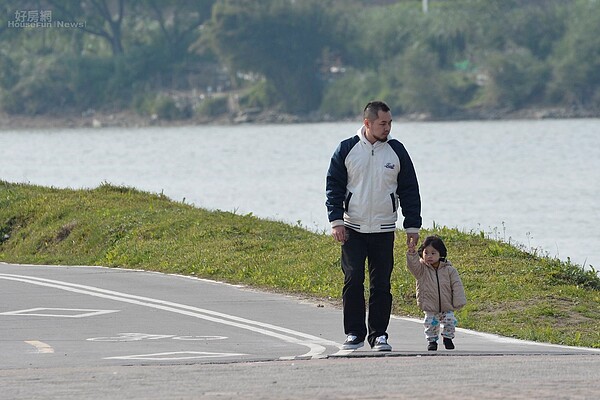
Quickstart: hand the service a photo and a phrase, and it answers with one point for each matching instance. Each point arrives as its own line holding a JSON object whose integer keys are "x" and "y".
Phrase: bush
{"x": 261, "y": 95}
{"x": 41, "y": 90}
{"x": 166, "y": 107}
{"x": 9, "y": 72}
{"x": 143, "y": 103}
{"x": 214, "y": 106}
{"x": 90, "y": 81}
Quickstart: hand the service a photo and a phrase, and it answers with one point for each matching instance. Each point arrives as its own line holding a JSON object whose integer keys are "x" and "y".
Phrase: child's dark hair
{"x": 437, "y": 243}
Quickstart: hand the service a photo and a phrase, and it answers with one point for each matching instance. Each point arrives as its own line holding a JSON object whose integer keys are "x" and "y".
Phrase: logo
{"x": 40, "y": 19}
{"x": 390, "y": 165}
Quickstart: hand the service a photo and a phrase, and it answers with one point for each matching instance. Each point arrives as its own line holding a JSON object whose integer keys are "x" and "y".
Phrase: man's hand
{"x": 339, "y": 233}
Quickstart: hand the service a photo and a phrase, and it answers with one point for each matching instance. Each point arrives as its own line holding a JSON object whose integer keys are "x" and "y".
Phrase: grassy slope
{"x": 510, "y": 292}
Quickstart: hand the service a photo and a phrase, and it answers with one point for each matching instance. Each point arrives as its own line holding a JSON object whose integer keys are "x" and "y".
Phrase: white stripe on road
{"x": 503, "y": 339}
{"x": 41, "y": 346}
{"x": 314, "y": 343}
{"x": 175, "y": 356}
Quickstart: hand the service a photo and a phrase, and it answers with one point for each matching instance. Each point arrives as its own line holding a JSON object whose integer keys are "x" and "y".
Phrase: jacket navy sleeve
{"x": 337, "y": 179}
{"x": 408, "y": 188}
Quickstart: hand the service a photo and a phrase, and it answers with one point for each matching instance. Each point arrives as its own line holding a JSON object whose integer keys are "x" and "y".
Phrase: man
{"x": 370, "y": 174}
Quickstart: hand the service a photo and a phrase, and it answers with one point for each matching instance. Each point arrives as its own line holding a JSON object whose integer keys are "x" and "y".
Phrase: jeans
{"x": 378, "y": 248}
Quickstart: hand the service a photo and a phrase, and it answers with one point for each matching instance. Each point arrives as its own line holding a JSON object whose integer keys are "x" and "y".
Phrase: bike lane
{"x": 72, "y": 316}
{"x": 94, "y": 315}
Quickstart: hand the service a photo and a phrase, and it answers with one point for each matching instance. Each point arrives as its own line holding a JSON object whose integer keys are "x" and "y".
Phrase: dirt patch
{"x": 64, "y": 231}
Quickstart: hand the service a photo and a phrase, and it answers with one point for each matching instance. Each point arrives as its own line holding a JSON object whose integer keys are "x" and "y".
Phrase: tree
{"x": 538, "y": 26}
{"x": 576, "y": 60}
{"x": 178, "y": 20}
{"x": 516, "y": 79}
{"x": 422, "y": 83}
{"x": 281, "y": 40}
{"x": 102, "y": 18}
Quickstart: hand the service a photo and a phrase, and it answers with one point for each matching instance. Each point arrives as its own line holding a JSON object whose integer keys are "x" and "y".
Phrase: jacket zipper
{"x": 439, "y": 291}
{"x": 370, "y": 220}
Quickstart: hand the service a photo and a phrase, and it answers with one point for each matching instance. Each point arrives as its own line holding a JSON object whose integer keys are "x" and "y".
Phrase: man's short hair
{"x": 371, "y": 111}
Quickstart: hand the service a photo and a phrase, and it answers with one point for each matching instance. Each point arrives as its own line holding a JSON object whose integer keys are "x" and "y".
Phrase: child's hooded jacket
{"x": 438, "y": 290}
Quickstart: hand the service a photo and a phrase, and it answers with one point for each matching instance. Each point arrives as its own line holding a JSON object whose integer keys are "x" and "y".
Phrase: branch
{"x": 161, "y": 20}
{"x": 72, "y": 17}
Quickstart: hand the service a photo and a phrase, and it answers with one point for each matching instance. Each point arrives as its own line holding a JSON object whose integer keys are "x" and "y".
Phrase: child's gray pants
{"x": 434, "y": 322}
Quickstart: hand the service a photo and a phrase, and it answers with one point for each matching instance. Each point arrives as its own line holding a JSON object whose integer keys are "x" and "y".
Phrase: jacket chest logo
{"x": 390, "y": 165}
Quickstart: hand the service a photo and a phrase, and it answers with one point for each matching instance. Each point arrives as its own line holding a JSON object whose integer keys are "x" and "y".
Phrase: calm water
{"x": 531, "y": 182}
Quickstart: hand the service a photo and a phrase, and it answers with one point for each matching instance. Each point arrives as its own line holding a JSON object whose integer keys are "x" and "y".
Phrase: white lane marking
{"x": 41, "y": 346}
{"x": 504, "y": 339}
{"x": 175, "y": 356}
{"x": 133, "y": 337}
{"x": 205, "y": 338}
{"x": 343, "y": 353}
{"x": 37, "y": 312}
{"x": 314, "y": 343}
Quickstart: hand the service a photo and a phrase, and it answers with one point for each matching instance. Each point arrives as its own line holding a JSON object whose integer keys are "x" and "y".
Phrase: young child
{"x": 439, "y": 289}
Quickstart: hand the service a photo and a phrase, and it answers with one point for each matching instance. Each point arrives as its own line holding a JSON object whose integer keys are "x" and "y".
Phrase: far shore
{"x": 128, "y": 119}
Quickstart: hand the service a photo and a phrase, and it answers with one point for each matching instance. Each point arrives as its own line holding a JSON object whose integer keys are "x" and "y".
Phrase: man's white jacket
{"x": 367, "y": 182}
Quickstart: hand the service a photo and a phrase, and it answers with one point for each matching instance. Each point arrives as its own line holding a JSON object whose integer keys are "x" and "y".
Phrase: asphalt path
{"x": 102, "y": 333}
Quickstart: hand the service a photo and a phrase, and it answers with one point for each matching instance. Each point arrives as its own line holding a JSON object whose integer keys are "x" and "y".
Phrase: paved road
{"x": 92, "y": 332}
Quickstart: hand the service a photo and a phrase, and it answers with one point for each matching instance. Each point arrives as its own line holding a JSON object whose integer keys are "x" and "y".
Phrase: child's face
{"x": 431, "y": 256}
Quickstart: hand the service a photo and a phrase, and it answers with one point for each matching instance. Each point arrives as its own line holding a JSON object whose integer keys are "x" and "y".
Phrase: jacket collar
{"x": 442, "y": 264}
{"x": 361, "y": 134}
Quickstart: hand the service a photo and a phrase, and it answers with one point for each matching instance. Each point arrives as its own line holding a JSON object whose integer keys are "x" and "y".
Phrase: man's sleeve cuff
{"x": 337, "y": 222}
{"x": 412, "y": 230}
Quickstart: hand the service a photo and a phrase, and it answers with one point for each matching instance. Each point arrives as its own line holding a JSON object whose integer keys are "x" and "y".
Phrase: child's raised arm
{"x": 411, "y": 246}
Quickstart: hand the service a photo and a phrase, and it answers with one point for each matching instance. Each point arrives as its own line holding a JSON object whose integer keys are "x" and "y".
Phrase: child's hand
{"x": 411, "y": 246}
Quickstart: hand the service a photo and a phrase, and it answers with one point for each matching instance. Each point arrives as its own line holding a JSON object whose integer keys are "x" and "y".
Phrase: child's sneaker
{"x": 448, "y": 343}
{"x": 432, "y": 346}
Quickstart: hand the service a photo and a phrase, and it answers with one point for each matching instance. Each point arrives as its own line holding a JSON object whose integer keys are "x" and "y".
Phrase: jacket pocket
{"x": 347, "y": 201}
{"x": 394, "y": 205}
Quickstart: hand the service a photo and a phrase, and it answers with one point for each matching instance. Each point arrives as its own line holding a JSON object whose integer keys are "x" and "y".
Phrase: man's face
{"x": 379, "y": 129}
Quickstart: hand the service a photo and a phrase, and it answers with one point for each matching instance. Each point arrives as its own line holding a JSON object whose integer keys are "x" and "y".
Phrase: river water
{"x": 533, "y": 183}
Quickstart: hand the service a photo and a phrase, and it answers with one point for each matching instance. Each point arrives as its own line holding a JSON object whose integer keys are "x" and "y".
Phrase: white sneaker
{"x": 381, "y": 344}
{"x": 352, "y": 342}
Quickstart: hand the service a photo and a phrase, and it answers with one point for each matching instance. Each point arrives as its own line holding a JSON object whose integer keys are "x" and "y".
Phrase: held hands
{"x": 411, "y": 242}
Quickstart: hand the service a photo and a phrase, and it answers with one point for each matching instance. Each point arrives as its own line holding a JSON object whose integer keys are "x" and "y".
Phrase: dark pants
{"x": 378, "y": 248}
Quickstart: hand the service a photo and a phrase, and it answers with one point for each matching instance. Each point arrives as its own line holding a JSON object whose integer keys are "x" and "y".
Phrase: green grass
{"x": 510, "y": 291}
